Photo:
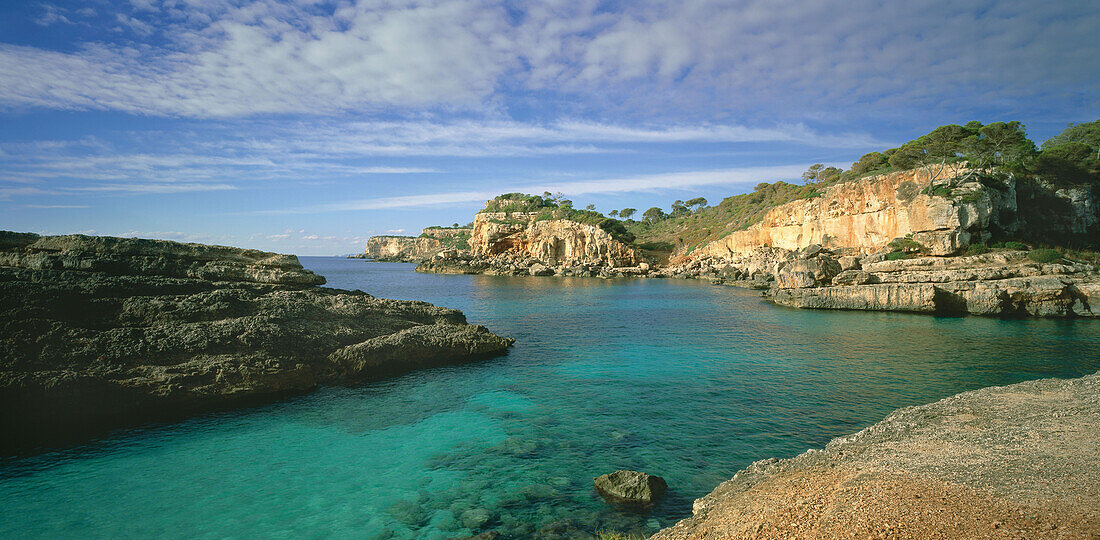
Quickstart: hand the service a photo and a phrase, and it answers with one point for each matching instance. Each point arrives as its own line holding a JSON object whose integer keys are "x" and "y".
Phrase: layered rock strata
{"x": 415, "y": 249}
{"x": 1004, "y": 462}
{"x": 556, "y": 242}
{"x": 999, "y": 284}
{"x": 99, "y": 332}
{"x": 867, "y": 214}
{"x": 519, "y": 243}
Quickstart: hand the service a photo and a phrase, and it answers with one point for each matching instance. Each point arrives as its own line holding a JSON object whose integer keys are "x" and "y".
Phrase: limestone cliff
{"x": 553, "y": 242}
{"x": 100, "y": 332}
{"x": 431, "y": 241}
{"x": 869, "y": 213}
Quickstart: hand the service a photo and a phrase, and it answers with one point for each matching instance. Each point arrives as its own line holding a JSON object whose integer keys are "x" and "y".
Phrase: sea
{"x": 682, "y": 379}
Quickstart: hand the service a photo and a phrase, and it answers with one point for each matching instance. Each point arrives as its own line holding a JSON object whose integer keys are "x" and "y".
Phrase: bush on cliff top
{"x": 518, "y": 202}
{"x": 555, "y": 207}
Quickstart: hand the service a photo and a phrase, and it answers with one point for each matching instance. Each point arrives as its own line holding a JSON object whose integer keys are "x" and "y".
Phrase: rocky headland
{"x": 416, "y": 249}
{"x": 537, "y": 243}
{"x": 915, "y": 240}
{"x": 1014, "y": 461}
{"x": 100, "y": 332}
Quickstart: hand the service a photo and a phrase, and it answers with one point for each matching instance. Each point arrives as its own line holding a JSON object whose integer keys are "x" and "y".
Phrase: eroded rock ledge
{"x": 1014, "y": 461}
{"x": 99, "y": 332}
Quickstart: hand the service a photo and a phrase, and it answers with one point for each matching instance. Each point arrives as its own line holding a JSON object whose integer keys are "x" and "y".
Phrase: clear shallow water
{"x": 679, "y": 378}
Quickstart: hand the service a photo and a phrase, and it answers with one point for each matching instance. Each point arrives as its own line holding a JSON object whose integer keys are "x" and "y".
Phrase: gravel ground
{"x": 1017, "y": 461}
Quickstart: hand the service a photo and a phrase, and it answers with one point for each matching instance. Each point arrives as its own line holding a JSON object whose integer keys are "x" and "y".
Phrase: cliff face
{"x": 102, "y": 332}
{"x": 869, "y": 213}
{"x": 415, "y": 248}
{"x": 553, "y": 242}
{"x": 401, "y": 248}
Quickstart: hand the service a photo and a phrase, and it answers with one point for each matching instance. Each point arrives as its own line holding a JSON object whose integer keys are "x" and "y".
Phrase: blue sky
{"x": 306, "y": 126}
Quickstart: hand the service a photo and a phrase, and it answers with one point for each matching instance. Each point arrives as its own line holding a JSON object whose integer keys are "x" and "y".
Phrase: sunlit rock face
{"x": 867, "y": 214}
{"x": 557, "y": 242}
{"x": 414, "y": 248}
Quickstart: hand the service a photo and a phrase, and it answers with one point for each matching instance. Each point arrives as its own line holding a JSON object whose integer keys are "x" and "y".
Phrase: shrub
{"x": 939, "y": 191}
{"x": 1045, "y": 255}
{"x": 1016, "y": 245}
{"x": 906, "y": 244}
{"x": 612, "y": 535}
{"x": 896, "y": 255}
{"x": 977, "y": 249}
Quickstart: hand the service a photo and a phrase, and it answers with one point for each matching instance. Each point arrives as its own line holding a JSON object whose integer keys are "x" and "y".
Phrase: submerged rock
{"x": 108, "y": 332}
{"x": 630, "y": 487}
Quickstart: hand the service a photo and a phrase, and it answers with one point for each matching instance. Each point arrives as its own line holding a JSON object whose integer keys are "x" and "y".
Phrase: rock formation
{"x": 630, "y": 488}
{"x": 554, "y": 242}
{"x": 867, "y": 214}
{"x": 415, "y": 249}
{"x": 520, "y": 243}
{"x": 101, "y": 332}
{"x": 1003, "y": 283}
{"x": 1004, "y": 462}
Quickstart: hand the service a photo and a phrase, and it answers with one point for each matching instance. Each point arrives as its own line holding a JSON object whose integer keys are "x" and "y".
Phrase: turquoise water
{"x": 678, "y": 378}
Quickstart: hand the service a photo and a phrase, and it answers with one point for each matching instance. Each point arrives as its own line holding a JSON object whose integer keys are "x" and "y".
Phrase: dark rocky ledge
{"x": 99, "y": 333}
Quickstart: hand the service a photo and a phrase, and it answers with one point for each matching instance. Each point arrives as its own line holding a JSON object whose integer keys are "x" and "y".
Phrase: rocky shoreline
{"x": 1002, "y": 283}
{"x": 1014, "y": 461}
{"x": 100, "y": 333}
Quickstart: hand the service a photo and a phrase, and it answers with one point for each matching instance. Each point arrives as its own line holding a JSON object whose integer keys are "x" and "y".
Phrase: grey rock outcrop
{"x": 998, "y": 284}
{"x": 99, "y": 332}
{"x": 631, "y": 488}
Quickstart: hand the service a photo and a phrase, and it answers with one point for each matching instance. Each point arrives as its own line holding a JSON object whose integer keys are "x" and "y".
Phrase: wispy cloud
{"x": 231, "y": 59}
{"x": 182, "y": 187}
{"x": 654, "y": 182}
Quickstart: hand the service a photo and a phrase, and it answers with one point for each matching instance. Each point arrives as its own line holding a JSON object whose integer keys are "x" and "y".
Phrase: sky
{"x": 306, "y": 126}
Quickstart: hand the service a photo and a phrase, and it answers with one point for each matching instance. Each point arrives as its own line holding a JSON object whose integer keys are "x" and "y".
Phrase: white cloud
{"x": 654, "y": 182}
{"x": 225, "y": 59}
{"x": 182, "y": 187}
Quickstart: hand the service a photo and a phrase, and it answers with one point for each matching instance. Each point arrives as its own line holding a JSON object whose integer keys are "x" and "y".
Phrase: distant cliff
{"x": 518, "y": 234}
{"x": 431, "y": 241}
{"x": 554, "y": 242}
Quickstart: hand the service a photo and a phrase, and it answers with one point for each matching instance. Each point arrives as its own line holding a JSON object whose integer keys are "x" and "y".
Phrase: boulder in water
{"x": 630, "y": 488}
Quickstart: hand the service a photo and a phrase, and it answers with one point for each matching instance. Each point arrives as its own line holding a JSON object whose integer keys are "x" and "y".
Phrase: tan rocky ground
{"x": 1018, "y": 461}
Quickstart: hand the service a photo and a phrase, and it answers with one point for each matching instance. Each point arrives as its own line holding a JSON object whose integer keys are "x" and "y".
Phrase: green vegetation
{"x": 556, "y": 206}
{"x": 1010, "y": 245}
{"x": 701, "y": 224}
{"x": 520, "y": 202}
{"x": 1072, "y": 157}
{"x": 459, "y": 240}
{"x": 897, "y": 255}
{"x": 976, "y": 249}
{"x": 906, "y": 244}
{"x": 611, "y": 535}
{"x": 1045, "y": 255}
